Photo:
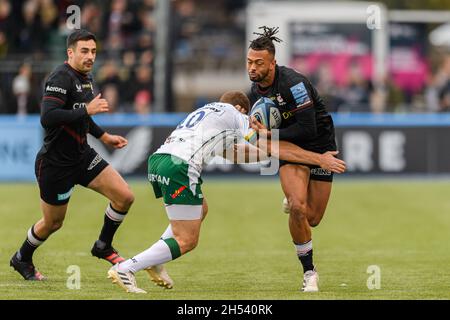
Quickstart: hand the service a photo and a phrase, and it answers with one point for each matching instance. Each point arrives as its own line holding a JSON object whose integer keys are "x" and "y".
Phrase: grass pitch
{"x": 245, "y": 250}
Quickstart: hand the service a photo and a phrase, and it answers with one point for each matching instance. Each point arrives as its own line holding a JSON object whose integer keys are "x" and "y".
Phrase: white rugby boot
{"x": 159, "y": 276}
{"x": 310, "y": 281}
{"x": 126, "y": 280}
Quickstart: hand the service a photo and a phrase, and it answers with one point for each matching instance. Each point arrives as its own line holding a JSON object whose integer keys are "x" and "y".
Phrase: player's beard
{"x": 87, "y": 66}
{"x": 259, "y": 78}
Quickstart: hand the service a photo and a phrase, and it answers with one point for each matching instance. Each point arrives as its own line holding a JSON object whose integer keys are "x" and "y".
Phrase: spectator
{"x": 142, "y": 104}
{"x": 357, "y": 92}
{"x": 142, "y": 81}
{"x": 21, "y": 88}
{"x": 111, "y": 94}
{"x": 5, "y": 27}
{"x": 444, "y": 98}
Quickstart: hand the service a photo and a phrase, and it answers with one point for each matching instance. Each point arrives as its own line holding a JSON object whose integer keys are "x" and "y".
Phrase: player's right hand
{"x": 329, "y": 162}
{"x": 97, "y": 105}
{"x": 260, "y": 128}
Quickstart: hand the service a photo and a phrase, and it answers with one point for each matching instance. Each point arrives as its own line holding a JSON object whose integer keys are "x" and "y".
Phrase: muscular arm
{"x": 283, "y": 150}
{"x": 53, "y": 115}
{"x": 245, "y": 153}
{"x": 56, "y": 91}
{"x": 94, "y": 129}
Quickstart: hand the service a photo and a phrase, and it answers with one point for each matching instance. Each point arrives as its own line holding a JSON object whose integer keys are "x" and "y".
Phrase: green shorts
{"x": 174, "y": 180}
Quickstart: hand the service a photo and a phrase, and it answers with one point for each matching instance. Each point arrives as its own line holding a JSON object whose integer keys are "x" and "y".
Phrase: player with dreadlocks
{"x": 306, "y": 123}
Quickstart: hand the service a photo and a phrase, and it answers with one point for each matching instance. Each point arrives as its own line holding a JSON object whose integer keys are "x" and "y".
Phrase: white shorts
{"x": 183, "y": 212}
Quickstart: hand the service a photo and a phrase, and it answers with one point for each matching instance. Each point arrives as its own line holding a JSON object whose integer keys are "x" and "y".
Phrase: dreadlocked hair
{"x": 265, "y": 39}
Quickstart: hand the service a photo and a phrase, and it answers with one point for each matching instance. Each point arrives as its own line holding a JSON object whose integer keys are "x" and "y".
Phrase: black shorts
{"x": 56, "y": 183}
{"x": 315, "y": 172}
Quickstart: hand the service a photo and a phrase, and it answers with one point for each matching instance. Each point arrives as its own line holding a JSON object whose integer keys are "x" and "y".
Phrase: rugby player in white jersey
{"x": 174, "y": 171}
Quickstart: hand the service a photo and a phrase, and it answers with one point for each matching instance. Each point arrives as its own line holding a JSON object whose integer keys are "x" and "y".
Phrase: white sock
{"x": 168, "y": 233}
{"x": 303, "y": 248}
{"x": 158, "y": 253}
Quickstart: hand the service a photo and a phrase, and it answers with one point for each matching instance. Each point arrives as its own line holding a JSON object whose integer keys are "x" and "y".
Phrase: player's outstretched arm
{"x": 244, "y": 153}
{"x": 293, "y": 153}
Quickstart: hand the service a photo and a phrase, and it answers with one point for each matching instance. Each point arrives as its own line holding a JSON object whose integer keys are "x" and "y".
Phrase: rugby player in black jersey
{"x": 66, "y": 159}
{"x": 306, "y": 123}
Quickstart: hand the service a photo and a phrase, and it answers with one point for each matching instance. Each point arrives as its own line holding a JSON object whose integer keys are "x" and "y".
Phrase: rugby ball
{"x": 266, "y": 112}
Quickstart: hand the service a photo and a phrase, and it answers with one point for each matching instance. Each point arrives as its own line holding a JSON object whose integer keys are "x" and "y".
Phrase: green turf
{"x": 245, "y": 251}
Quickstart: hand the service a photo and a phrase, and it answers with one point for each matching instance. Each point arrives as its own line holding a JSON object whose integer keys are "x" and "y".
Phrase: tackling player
{"x": 174, "y": 171}
{"x": 66, "y": 159}
{"x": 305, "y": 123}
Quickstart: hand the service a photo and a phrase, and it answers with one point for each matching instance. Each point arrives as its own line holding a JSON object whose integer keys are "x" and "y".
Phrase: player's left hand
{"x": 115, "y": 141}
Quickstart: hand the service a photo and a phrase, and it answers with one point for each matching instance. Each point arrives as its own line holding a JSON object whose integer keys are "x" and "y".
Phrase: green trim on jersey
{"x": 172, "y": 178}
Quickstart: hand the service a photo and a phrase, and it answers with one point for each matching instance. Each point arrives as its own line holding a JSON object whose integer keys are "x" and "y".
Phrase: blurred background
{"x": 382, "y": 67}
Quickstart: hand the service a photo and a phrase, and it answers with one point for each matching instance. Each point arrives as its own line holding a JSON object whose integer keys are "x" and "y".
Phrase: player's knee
{"x": 187, "y": 244}
{"x": 53, "y": 225}
{"x": 126, "y": 200}
{"x": 298, "y": 208}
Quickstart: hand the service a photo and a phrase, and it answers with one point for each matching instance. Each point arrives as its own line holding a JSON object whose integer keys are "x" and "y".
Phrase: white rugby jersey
{"x": 205, "y": 133}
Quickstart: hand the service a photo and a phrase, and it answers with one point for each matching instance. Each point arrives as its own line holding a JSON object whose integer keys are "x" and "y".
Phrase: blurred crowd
{"x": 205, "y": 35}
{"x": 360, "y": 94}
{"x": 32, "y": 43}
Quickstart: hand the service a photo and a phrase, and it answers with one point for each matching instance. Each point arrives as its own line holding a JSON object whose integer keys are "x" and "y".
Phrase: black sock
{"x": 305, "y": 255}
{"x": 31, "y": 243}
{"x": 307, "y": 261}
{"x": 112, "y": 221}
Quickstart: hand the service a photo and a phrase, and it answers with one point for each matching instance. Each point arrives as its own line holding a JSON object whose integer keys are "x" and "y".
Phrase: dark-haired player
{"x": 66, "y": 159}
{"x": 306, "y": 123}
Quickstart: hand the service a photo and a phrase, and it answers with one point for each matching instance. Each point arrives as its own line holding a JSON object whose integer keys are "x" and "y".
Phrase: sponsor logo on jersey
{"x": 56, "y": 89}
{"x": 78, "y": 105}
{"x": 280, "y": 100}
{"x": 301, "y": 95}
{"x": 157, "y": 178}
{"x": 286, "y": 114}
{"x": 95, "y": 162}
{"x": 178, "y": 192}
{"x": 320, "y": 172}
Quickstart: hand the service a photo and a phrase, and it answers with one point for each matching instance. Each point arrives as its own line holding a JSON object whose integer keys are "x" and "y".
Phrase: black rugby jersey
{"x": 64, "y": 116}
{"x": 305, "y": 120}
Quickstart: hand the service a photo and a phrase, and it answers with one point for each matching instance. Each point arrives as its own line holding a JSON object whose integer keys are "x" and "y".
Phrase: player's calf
{"x": 314, "y": 222}
{"x": 103, "y": 246}
{"x": 187, "y": 244}
{"x": 124, "y": 200}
